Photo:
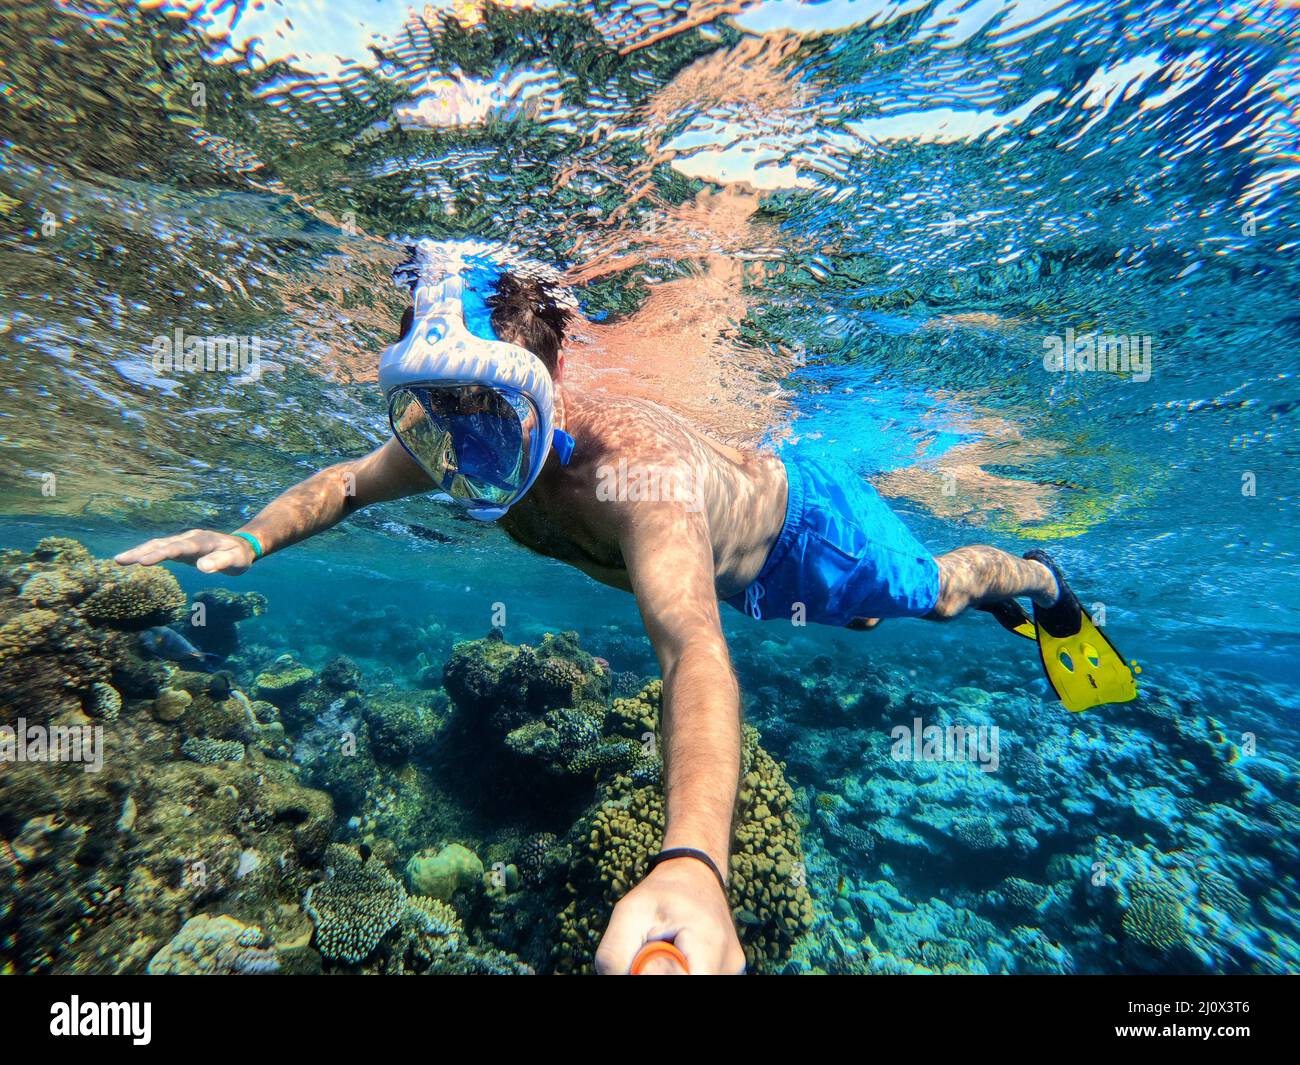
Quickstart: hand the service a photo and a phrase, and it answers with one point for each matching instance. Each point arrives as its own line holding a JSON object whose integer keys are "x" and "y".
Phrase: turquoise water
{"x": 848, "y": 230}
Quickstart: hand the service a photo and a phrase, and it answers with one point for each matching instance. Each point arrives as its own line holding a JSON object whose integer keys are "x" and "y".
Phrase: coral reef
{"x": 355, "y": 907}
{"x": 293, "y": 813}
{"x": 441, "y": 874}
{"x": 766, "y": 883}
{"x": 136, "y": 599}
{"x": 102, "y": 868}
{"x": 218, "y": 945}
{"x": 362, "y": 913}
{"x": 1043, "y": 847}
{"x": 214, "y": 616}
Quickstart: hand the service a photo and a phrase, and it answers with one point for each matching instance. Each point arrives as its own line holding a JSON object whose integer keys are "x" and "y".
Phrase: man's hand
{"x": 680, "y": 900}
{"x": 207, "y": 551}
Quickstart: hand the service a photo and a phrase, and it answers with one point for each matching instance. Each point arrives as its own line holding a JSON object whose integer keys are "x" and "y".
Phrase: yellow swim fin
{"x": 1081, "y": 664}
{"x": 1012, "y": 617}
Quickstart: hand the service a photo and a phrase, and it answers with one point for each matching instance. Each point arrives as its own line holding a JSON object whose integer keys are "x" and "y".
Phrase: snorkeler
{"x": 631, "y": 494}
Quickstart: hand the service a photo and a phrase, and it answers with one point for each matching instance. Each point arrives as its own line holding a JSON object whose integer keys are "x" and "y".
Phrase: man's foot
{"x": 862, "y": 624}
{"x": 1049, "y": 591}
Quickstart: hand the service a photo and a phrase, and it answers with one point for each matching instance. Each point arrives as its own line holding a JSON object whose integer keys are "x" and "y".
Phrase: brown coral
{"x": 141, "y": 599}
{"x": 766, "y": 874}
{"x": 49, "y": 663}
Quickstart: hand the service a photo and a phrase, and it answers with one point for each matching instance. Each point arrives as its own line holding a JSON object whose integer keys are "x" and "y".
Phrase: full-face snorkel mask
{"x": 475, "y": 412}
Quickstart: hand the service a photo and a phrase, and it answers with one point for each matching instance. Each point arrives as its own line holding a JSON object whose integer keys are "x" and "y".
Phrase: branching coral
{"x": 207, "y": 751}
{"x": 1022, "y": 894}
{"x": 504, "y": 686}
{"x": 570, "y": 742}
{"x": 139, "y": 600}
{"x": 105, "y": 701}
{"x": 979, "y": 834}
{"x": 355, "y": 908}
{"x": 1155, "y": 918}
{"x": 1221, "y": 893}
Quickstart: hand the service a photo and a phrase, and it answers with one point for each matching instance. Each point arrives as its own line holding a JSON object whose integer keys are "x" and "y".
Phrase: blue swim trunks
{"x": 842, "y": 553}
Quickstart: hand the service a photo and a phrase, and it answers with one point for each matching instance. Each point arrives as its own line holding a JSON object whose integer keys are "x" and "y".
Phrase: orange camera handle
{"x": 657, "y": 948}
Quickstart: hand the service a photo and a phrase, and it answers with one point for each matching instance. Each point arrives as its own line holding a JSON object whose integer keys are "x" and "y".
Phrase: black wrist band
{"x": 688, "y": 852}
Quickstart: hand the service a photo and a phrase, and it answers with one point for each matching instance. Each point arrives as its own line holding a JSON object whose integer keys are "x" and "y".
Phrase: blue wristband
{"x": 252, "y": 542}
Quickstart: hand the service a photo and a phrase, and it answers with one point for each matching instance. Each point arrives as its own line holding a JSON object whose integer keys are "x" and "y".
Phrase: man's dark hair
{"x": 524, "y": 312}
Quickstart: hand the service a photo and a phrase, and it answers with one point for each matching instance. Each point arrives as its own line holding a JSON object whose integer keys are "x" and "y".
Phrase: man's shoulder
{"x": 632, "y": 427}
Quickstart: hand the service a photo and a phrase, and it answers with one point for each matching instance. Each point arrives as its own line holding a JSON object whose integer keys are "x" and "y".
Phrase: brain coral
{"x": 355, "y": 908}
{"x": 219, "y": 946}
{"x": 765, "y": 879}
{"x": 141, "y": 599}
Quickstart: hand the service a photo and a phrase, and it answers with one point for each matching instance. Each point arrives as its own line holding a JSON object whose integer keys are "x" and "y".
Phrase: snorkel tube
{"x": 451, "y": 343}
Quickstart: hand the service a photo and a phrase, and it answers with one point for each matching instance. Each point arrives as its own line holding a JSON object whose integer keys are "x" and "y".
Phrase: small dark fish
{"x": 747, "y": 917}
{"x": 841, "y": 888}
{"x": 162, "y": 642}
{"x": 364, "y": 850}
{"x": 219, "y": 686}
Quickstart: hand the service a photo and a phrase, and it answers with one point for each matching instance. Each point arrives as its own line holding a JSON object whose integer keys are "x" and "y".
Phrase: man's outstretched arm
{"x": 309, "y": 507}
{"x": 670, "y": 562}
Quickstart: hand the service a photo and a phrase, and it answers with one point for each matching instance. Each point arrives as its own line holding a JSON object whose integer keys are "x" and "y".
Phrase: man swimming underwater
{"x": 481, "y": 414}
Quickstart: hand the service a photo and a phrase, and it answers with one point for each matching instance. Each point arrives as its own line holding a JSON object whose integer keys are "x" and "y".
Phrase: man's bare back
{"x": 637, "y": 448}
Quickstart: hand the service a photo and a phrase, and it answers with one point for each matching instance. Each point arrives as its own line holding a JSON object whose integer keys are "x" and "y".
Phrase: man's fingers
{"x": 219, "y": 560}
{"x": 622, "y": 939}
{"x": 709, "y": 955}
{"x": 154, "y": 551}
{"x": 137, "y": 554}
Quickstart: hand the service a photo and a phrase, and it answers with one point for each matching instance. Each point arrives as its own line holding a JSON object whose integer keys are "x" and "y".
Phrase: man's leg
{"x": 974, "y": 576}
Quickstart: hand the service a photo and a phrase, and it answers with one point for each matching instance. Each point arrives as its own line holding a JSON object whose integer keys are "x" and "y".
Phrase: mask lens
{"x": 472, "y": 440}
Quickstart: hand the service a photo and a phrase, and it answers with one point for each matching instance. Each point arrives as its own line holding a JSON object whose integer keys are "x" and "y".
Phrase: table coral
{"x": 355, "y": 907}
{"x": 139, "y": 599}
{"x": 284, "y": 684}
